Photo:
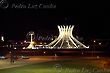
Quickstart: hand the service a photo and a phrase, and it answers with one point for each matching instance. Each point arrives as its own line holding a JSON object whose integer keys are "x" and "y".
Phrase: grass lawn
{"x": 61, "y": 66}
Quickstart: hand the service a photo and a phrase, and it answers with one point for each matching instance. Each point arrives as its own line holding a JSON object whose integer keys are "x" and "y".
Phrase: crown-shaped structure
{"x": 66, "y": 39}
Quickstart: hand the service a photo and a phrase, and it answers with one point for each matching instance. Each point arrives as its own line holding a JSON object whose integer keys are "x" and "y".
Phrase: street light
{"x": 93, "y": 47}
{"x": 100, "y": 43}
{"x": 94, "y": 41}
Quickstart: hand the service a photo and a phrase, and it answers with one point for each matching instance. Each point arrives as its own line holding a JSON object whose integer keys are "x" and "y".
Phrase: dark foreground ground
{"x": 57, "y": 64}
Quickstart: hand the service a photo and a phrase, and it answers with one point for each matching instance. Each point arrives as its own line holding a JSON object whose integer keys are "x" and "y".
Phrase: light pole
{"x": 93, "y": 48}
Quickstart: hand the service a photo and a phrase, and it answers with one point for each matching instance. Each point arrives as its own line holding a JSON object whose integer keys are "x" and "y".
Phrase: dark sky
{"x": 90, "y": 22}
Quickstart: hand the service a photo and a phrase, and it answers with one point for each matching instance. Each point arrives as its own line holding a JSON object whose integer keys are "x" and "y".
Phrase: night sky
{"x": 90, "y": 22}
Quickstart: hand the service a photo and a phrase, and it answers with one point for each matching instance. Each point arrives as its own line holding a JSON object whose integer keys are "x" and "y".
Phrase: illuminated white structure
{"x": 31, "y": 45}
{"x": 2, "y": 38}
{"x": 66, "y": 39}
